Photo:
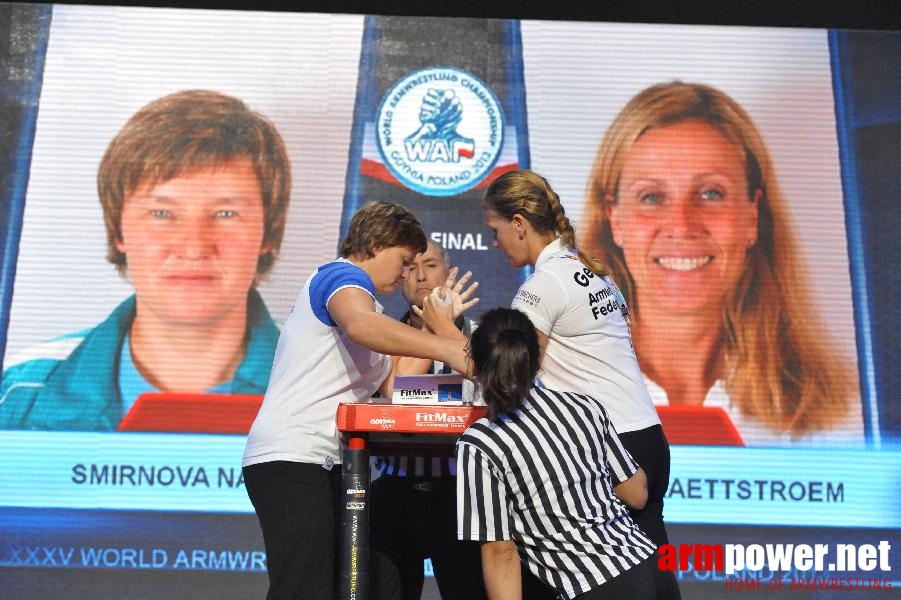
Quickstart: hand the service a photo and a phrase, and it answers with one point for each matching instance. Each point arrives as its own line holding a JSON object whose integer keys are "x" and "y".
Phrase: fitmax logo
{"x": 439, "y": 417}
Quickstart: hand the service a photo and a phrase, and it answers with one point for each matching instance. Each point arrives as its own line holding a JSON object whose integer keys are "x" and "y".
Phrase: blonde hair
{"x": 772, "y": 370}
{"x": 526, "y": 193}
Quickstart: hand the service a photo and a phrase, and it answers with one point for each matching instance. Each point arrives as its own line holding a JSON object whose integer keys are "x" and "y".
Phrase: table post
{"x": 354, "y": 549}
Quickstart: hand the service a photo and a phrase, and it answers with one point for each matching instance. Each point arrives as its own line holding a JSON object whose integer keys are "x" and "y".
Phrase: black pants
{"x": 638, "y": 583}
{"x": 296, "y": 504}
{"x": 535, "y": 589}
{"x": 650, "y": 450}
{"x": 412, "y": 519}
{"x": 298, "y": 509}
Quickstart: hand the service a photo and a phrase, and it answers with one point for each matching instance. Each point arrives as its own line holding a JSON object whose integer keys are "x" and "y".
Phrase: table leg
{"x": 354, "y": 548}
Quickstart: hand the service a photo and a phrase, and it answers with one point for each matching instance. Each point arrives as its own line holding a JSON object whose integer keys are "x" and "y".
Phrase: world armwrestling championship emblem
{"x": 440, "y": 130}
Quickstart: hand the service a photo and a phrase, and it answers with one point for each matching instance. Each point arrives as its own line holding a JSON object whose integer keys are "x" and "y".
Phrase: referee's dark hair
{"x": 504, "y": 351}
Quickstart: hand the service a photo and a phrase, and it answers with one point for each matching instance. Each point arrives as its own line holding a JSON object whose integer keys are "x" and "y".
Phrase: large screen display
{"x": 769, "y": 351}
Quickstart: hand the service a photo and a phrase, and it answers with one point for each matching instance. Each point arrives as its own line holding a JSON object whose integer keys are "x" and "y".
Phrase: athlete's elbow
{"x": 634, "y": 491}
{"x": 359, "y": 331}
{"x": 639, "y": 500}
{"x": 634, "y": 499}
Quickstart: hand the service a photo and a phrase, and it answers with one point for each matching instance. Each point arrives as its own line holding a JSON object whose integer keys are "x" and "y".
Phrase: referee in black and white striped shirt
{"x": 544, "y": 479}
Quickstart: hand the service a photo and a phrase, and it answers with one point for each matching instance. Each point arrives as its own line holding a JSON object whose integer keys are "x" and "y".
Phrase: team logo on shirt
{"x": 440, "y": 130}
{"x": 529, "y": 298}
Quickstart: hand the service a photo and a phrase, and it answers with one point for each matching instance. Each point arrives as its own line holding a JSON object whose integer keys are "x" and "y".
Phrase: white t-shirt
{"x": 316, "y": 367}
{"x": 589, "y": 349}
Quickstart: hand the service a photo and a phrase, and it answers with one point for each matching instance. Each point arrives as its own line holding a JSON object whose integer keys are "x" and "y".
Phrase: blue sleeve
{"x": 331, "y": 278}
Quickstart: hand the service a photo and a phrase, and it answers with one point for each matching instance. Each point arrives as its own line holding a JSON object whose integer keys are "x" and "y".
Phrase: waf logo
{"x": 440, "y": 131}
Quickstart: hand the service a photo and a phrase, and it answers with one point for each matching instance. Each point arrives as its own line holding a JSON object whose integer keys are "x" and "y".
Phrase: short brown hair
{"x": 382, "y": 225}
{"x": 188, "y": 130}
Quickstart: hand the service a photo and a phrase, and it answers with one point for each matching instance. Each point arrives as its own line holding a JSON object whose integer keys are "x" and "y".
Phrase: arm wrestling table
{"x": 408, "y": 429}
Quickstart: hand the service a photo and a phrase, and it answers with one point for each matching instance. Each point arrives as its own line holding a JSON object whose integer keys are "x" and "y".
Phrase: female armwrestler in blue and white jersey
{"x": 333, "y": 348}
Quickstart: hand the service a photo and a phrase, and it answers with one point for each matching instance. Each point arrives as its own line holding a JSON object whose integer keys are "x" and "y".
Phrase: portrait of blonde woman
{"x": 684, "y": 205}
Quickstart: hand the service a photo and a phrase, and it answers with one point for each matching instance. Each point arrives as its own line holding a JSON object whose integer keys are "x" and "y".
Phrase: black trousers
{"x": 650, "y": 449}
{"x": 638, "y": 583}
{"x": 298, "y": 509}
{"x": 412, "y": 519}
{"x": 296, "y": 504}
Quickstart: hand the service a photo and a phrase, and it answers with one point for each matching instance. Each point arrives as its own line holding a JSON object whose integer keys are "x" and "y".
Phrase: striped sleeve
{"x": 621, "y": 464}
{"x": 481, "y": 497}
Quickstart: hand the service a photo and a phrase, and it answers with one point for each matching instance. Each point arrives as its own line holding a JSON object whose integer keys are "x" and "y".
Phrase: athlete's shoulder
{"x": 52, "y": 351}
{"x": 27, "y": 374}
{"x": 563, "y": 269}
{"x": 30, "y": 368}
{"x": 338, "y": 274}
{"x": 479, "y": 433}
{"x": 338, "y": 268}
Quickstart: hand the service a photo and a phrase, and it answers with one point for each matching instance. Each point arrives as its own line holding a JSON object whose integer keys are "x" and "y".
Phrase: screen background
{"x": 578, "y": 76}
{"x": 86, "y": 98}
{"x": 300, "y": 70}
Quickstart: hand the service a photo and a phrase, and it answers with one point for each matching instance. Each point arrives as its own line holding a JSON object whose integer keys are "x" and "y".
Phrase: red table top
{"x": 409, "y": 429}
{"x": 407, "y": 418}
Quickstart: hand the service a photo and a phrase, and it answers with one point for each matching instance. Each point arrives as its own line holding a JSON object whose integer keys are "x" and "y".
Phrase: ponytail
{"x": 527, "y": 193}
{"x": 504, "y": 350}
